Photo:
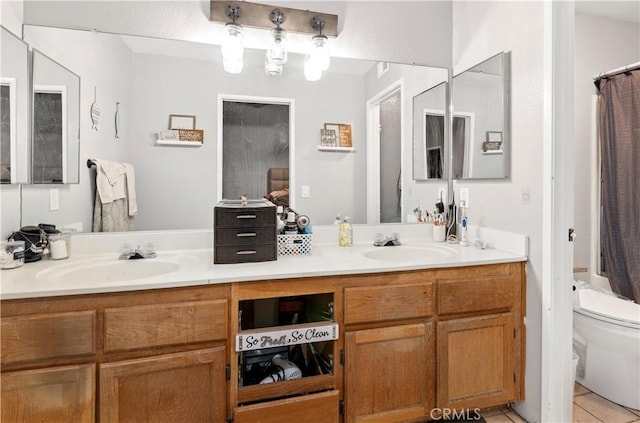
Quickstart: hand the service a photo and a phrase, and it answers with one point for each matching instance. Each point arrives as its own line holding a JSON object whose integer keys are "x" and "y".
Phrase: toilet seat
{"x": 607, "y": 308}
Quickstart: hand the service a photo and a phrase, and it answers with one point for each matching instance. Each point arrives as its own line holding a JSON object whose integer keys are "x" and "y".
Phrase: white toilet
{"x": 606, "y": 337}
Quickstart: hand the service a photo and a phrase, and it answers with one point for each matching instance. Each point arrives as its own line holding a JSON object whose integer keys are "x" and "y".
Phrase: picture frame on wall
{"x": 182, "y": 122}
{"x": 343, "y": 133}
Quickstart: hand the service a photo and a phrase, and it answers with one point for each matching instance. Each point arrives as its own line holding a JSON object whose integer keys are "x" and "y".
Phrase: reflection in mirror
{"x": 55, "y": 156}
{"x": 152, "y": 79}
{"x": 429, "y": 133}
{"x": 481, "y": 120}
{"x": 14, "y": 108}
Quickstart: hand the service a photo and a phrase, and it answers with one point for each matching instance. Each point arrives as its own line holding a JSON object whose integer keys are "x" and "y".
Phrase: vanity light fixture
{"x": 276, "y": 54}
{"x": 318, "y": 58}
{"x": 233, "y": 42}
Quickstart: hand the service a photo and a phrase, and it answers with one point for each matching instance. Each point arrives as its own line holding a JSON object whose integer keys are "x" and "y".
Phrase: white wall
{"x": 601, "y": 44}
{"x": 398, "y": 31}
{"x": 178, "y": 181}
{"x": 482, "y": 29}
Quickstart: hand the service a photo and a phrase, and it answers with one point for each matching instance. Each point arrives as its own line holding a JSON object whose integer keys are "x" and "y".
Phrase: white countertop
{"x": 85, "y": 274}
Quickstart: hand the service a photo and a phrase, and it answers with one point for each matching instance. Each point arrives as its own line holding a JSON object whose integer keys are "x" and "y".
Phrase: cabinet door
{"x": 389, "y": 373}
{"x": 59, "y": 394}
{"x": 476, "y": 362}
{"x": 181, "y": 387}
{"x": 317, "y": 408}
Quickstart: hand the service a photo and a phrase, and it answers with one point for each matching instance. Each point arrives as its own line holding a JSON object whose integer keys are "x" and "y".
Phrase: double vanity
{"x": 421, "y": 329}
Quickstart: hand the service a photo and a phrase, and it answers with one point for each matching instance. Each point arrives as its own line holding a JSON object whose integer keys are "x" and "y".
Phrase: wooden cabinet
{"x": 476, "y": 362}
{"x": 389, "y": 373}
{"x": 54, "y": 395}
{"x": 322, "y": 407}
{"x": 181, "y": 387}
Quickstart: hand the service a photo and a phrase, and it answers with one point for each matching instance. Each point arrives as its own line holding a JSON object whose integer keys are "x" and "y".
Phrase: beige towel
{"x": 110, "y": 180}
{"x": 131, "y": 189}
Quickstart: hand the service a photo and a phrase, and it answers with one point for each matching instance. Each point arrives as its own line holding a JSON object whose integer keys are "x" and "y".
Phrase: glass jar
{"x": 59, "y": 246}
{"x": 11, "y": 254}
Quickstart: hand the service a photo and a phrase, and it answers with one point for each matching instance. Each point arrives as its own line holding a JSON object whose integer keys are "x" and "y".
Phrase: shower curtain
{"x": 619, "y": 121}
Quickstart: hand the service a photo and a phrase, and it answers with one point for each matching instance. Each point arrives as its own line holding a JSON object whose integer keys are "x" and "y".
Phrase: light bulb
{"x": 271, "y": 68}
{"x": 233, "y": 65}
{"x": 233, "y": 42}
{"x": 319, "y": 52}
{"x": 311, "y": 71}
{"x": 277, "y": 51}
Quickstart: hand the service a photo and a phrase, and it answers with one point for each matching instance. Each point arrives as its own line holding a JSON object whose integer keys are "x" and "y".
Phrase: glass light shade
{"x": 271, "y": 68}
{"x": 319, "y": 52}
{"x": 233, "y": 65}
{"x": 232, "y": 42}
{"x": 277, "y": 51}
{"x": 311, "y": 71}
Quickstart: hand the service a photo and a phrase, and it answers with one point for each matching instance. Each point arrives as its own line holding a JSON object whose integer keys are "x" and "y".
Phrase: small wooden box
{"x": 244, "y": 234}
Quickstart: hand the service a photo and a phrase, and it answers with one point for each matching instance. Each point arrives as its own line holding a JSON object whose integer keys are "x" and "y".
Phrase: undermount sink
{"x": 404, "y": 253}
{"x": 112, "y": 270}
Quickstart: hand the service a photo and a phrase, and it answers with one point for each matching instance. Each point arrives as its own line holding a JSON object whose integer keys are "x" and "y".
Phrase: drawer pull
{"x": 246, "y": 234}
{"x": 245, "y": 252}
{"x": 246, "y": 216}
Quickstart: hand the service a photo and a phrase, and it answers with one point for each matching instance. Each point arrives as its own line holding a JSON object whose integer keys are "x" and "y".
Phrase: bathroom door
{"x": 255, "y": 135}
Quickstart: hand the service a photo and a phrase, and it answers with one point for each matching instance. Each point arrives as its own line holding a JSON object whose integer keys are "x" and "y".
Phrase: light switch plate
{"x": 464, "y": 197}
{"x": 305, "y": 191}
{"x": 54, "y": 199}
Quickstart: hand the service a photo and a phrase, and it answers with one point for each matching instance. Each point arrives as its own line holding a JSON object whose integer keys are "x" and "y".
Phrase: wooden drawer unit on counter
{"x": 244, "y": 233}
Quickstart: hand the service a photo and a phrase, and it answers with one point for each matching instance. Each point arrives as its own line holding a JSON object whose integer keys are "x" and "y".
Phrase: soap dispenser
{"x": 345, "y": 238}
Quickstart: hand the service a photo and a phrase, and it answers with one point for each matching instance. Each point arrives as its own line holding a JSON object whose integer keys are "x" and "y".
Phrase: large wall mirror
{"x": 55, "y": 151}
{"x": 14, "y": 109}
{"x": 151, "y": 79}
{"x": 481, "y": 139}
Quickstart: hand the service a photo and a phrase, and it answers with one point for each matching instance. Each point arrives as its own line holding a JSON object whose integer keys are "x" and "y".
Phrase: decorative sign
{"x": 328, "y": 138}
{"x": 191, "y": 135}
{"x": 345, "y": 135}
{"x": 289, "y": 335}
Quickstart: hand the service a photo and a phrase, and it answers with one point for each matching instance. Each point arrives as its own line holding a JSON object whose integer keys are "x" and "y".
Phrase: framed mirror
{"x": 153, "y": 79}
{"x": 14, "y": 109}
{"x": 55, "y": 150}
{"x": 429, "y": 119}
{"x": 481, "y": 120}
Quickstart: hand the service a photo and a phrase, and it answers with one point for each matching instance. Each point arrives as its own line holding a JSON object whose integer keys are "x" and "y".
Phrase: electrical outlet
{"x": 526, "y": 196}
{"x": 464, "y": 197}
{"x": 54, "y": 199}
{"x": 305, "y": 191}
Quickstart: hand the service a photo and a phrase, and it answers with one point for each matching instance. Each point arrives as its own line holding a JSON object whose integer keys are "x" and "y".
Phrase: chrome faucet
{"x": 129, "y": 253}
{"x": 388, "y": 241}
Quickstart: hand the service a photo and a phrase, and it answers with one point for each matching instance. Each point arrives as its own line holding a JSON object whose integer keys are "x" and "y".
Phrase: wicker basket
{"x": 294, "y": 245}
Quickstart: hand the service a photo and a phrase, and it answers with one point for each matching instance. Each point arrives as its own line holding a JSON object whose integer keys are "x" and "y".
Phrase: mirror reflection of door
{"x": 255, "y": 139}
{"x": 390, "y": 162}
{"x": 49, "y": 134}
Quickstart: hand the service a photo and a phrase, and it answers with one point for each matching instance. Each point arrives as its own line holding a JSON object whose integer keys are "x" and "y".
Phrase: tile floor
{"x": 588, "y": 407}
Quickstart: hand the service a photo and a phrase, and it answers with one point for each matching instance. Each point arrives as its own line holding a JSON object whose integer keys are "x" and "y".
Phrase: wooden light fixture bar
{"x": 257, "y": 16}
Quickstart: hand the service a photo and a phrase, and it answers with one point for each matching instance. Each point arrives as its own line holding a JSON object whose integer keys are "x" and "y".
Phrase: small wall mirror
{"x": 481, "y": 120}
{"x": 55, "y": 156}
{"x": 14, "y": 107}
{"x": 429, "y": 133}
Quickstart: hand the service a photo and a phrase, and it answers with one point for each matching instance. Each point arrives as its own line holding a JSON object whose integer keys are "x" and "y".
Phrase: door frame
{"x": 373, "y": 149}
{"x": 292, "y": 136}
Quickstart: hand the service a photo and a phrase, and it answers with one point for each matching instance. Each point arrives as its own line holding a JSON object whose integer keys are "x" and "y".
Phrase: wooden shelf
{"x": 259, "y": 392}
{"x": 179, "y": 143}
{"x": 339, "y": 149}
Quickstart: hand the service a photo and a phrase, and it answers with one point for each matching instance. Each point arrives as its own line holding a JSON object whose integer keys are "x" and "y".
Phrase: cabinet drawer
{"x": 49, "y": 335}
{"x": 245, "y": 236}
{"x": 476, "y": 295}
{"x": 244, "y": 254}
{"x": 389, "y": 302}
{"x": 147, "y": 326}
{"x": 316, "y": 408}
{"x": 244, "y": 218}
